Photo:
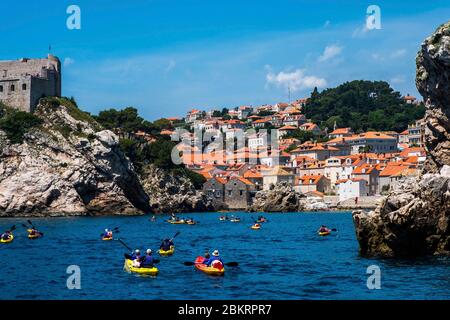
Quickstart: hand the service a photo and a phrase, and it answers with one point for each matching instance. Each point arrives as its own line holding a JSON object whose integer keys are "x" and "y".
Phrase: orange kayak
{"x": 217, "y": 269}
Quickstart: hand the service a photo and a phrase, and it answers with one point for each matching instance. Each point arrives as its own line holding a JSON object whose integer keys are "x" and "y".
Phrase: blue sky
{"x": 165, "y": 57}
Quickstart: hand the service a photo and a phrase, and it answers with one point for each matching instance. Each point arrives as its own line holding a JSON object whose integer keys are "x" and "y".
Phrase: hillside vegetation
{"x": 362, "y": 105}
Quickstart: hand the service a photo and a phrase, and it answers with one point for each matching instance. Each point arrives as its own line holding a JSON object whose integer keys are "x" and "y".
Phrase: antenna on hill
{"x": 49, "y": 48}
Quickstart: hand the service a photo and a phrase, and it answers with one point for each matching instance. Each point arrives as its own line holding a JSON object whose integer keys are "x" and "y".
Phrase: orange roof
{"x": 406, "y": 152}
{"x": 166, "y": 132}
{"x": 391, "y": 170}
{"x": 252, "y": 174}
{"x": 364, "y": 169}
{"x": 173, "y": 119}
{"x": 406, "y": 132}
{"x": 288, "y": 128}
{"x": 345, "y": 180}
{"x": 342, "y": 131}
{"x": 243, "y": 180}
{"x": 309, "y": 179}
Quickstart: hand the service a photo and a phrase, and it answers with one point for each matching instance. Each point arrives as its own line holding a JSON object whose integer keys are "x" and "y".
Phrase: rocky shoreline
{"x": 414, "y": 220}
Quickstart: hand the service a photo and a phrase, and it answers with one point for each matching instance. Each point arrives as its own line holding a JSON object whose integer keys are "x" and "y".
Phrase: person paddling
{"x": 215, "y": 257}
{"x": 324, "y": 229}
{"x": 166, "y": 244}
{"x": 148, "y": 261}
{"x": 7, "y": 235}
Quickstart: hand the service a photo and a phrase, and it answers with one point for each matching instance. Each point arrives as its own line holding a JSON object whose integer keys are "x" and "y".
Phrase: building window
{"x": 24, "y": 86}
{"x": 1, "y": 88}
{"x": 229, "y": 193}
{"x": 241, "y": 192}
{"x": 13, "y": 87}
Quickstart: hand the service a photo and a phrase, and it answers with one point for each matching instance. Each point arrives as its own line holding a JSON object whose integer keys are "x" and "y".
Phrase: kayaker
{"x": 215, "y": 256}
{"x": 166, "y": 244}
{"x": 324, "y": 229}
{"x": 6, "y": 235}
{"x": 148, "y": 260}
{"x": 136, "y": 255}
{"x": 108, "y": 233}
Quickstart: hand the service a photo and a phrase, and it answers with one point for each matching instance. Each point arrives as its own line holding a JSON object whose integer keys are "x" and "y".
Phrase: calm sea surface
{"x": 286, "y": 259}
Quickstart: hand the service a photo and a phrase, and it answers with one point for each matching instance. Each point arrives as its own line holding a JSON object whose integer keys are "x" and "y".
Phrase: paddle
{"x": 228, "y": 264}
{"x": 176, "y": 234}
{"x": 125, "y": 245}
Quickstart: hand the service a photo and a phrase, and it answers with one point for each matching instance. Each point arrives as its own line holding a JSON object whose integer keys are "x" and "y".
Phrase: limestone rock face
{"x": 67, "y": 168}
{"x": 172, "y": 194}
{"x": 280, "y": 198}
{"x": 414, "y": 219}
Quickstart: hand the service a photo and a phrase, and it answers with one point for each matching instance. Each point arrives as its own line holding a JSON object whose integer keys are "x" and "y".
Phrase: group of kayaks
{"x": 182, "y": 221}
{"x": 33, "y": 233}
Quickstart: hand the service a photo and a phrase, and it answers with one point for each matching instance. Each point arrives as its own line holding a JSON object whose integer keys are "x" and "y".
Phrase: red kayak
{"x": 216, "y": 269}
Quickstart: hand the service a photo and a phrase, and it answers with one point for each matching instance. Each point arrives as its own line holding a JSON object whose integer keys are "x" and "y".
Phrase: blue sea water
{"x": 285, "y": 259}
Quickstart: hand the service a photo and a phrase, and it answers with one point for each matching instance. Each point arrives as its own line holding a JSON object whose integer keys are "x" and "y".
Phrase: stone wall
{"x": 23, "y": 82}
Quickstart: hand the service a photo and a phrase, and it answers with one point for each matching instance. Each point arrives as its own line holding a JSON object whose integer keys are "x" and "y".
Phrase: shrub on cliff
{"x": 16, "y": 123}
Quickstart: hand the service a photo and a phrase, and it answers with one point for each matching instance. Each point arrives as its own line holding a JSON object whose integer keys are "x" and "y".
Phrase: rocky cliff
{"x": 67, "y": 166}
{"x": 171, "y": 193}
{"x": 415, "y": 218}
{"x": 280, "y": 198}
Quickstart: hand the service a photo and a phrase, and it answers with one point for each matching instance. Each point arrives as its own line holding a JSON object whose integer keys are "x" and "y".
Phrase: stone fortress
{"x": 23, "y": 82}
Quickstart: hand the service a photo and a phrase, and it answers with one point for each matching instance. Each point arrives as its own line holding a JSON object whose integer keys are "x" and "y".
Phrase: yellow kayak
{"x": 256, "y": 227}
{"x": 325, "y": 233}
{"x": 169, "y": 252}
{"x": 144, "y": 271}
{"x": 10, "y": 239}
{"x": 191, "y": 223}
{"x": 34, "y": 236}
{"x": 107, "y": 238}
{"x": 176, "y": 222}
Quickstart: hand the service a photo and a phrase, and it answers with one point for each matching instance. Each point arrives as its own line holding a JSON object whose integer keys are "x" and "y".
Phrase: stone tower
{"x": 23, "y": 82}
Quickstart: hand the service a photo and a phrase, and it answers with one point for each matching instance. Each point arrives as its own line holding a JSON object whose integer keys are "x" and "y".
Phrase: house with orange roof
{"x": 391, "y": 169}
{"x": 214, "y": 188}
{"x": 409, "y": 99}
{"x": 278, "y": 174}
{"x": 274, "y": 158}
{"x": 318, "y": 151}
{"x": 338, "y": 168}
{"x": 255, "y": 177}
{"x": 244, "y": 111}
{"x": 352, "y": 188}
{"x": 341, "y": 133}
{"x": 416, "y": 134}
{"x": 309, "y": 183}
{"x": 295, "y": 119}
{"x": 261, "y": 123}
{"x": 311, "y": 127}
{"x": 193, "y": 115}
{"x": 285, "y": 130}
{"x": 371, "y": 141}
{"x": 403, "y": 137}
{"x": 239, "y": 193}
{"x": 370, "y": 173}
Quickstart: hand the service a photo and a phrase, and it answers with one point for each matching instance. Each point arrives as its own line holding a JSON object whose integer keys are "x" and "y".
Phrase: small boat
{"x": 9, "y": 240}
{"x": 169, "y": 252}
{"x": 128, "y": 266}
{"x": 223, "y": 218}
{"x": 324, "y": 233}
{"x": 191, "y": 222}
{"x": 256, "y": 226}
{"x": 176, "y": 221}
{"x": 235, "y": 220}
{"x": 217, "y": 269}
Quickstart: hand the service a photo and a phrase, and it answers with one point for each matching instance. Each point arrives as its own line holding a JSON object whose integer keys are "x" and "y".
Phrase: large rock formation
{"x": 68, "y": 166}
{"x": 415, "y": 218}
{"x": 170, "y": 193}
{"x": 279, "y": 198}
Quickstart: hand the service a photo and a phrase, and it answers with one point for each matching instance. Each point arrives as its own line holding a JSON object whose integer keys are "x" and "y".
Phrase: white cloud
{"x": 398, "y": 53}
{"x": 68, "y": 61}
{"x": 330, "y": 52}
{"x": 360, "y": 32}
{"x": 296, "y": 80}
{"x": 172, "y": 64}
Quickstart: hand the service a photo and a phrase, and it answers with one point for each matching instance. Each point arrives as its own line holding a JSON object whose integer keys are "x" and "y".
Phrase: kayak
{"x": 10, "y": 239}
{"x": 176, "y": 222}
{"x": 325, "y": 233}
{"x": 191, "y": 222}
{"x": 144, "y": 271}
{"x": 216, "y": 270}
{"x": 107, "y": 238}
{"x": 169, "y": 252}
{"x": 222, "y": 218}
{"x": 261, "y": 221}
{"x": 35, "y": 236}
{"x": 256, "y": 227}
{"x": 235, "y": 220}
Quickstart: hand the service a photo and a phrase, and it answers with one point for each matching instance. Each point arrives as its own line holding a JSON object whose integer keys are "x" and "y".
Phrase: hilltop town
{"x": 277, "y": 144}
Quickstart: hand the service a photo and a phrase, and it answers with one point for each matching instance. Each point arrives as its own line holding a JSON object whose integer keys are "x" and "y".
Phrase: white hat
{"x": 137, "y": 251}
{"x": 106, "y": 230}
{"x": 216, "y": 253}
{"x": 149, "y": 251}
